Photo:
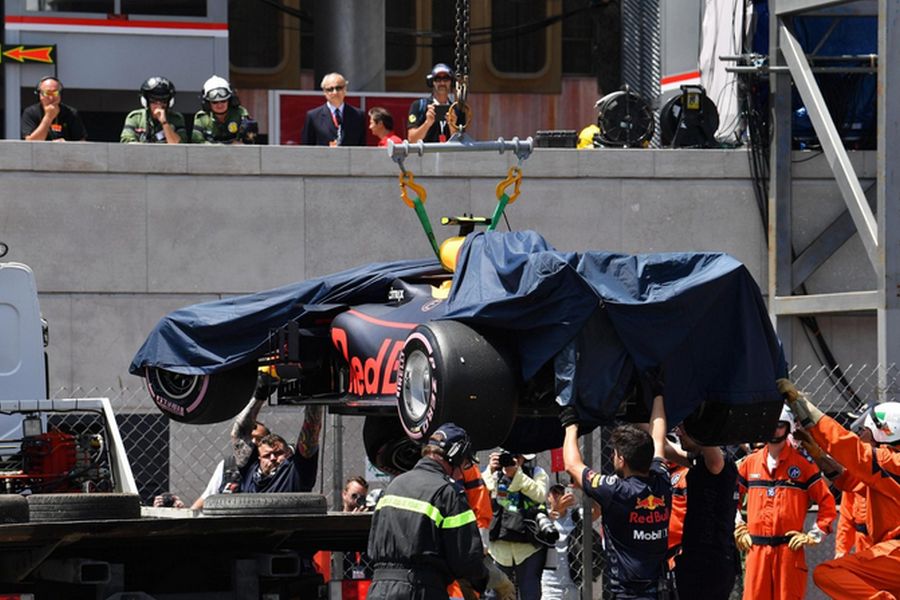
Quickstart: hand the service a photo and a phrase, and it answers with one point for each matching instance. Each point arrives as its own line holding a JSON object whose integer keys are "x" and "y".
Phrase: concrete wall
{"x": 118, "y": 235}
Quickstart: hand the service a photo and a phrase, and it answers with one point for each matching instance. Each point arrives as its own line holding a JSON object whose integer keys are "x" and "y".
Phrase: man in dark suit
{"x": 334, "y": 123}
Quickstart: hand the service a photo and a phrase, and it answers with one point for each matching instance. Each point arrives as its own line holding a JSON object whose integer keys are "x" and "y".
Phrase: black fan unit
{"x": 624, "y": 119}
{"x": 689, "y": 120}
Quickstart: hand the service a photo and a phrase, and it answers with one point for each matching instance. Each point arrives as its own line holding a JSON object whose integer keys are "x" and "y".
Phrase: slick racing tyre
{"x": 83, "y": 507}
{"x": 387, "y": 446}
{"x": 265, "y": 504}
{"x": 448, "y": 372}
{"x": 201, "y": 399}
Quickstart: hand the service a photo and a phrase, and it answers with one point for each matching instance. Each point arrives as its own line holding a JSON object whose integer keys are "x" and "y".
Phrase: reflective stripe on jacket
{"x": 423, "y": 521}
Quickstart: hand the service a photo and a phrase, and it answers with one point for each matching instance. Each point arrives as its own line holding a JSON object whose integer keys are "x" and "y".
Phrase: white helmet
{"x": 217, "y": 88}
{"x": 884, "y": 422}
{"x": 787, "y": 416}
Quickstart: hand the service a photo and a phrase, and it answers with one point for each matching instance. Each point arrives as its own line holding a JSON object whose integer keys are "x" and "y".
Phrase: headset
{"x": 438, "y": 68}
{"x": 37, "y": 87}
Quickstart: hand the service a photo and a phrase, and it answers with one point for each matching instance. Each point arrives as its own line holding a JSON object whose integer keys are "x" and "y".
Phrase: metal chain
{"x": 461, "y": 60}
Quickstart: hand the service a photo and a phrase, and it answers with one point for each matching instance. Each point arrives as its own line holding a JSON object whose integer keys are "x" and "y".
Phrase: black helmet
{"x": 157, "y": 88}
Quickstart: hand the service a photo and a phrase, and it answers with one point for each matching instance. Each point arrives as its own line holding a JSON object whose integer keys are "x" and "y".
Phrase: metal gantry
{"x": 879, "y": 235}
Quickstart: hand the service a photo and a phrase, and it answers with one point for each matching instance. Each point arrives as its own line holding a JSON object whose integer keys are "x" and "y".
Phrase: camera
{"x": 360, "y": 501}
{"x": 248, "y": 130}
{"x": 507, "y": 459}
{"x": 545, "y": 531}
{"x": 168, "y": 500}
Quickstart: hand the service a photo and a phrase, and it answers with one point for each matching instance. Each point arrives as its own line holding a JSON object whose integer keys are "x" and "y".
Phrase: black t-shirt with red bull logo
{"x": 635, "y": 525}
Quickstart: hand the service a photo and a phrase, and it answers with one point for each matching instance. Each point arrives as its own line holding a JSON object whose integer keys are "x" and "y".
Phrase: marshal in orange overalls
{"x": 875, "y": 573}
{"x": 851, "y": 530}
{"x": 776, "y": 504}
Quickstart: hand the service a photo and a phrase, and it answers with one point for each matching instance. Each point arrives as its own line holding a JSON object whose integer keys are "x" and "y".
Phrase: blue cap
{"x": 455, "y": 442}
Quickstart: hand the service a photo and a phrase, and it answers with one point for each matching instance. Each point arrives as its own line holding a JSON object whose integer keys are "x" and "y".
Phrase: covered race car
{"x": 518, "y": 330}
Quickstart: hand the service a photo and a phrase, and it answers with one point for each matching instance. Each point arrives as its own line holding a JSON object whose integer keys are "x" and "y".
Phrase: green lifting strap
{"x": 426, "y": 225}
{"x": 514, "y": 178}
{"x": 429, "y": 510}
{"x": 407, "y": 180}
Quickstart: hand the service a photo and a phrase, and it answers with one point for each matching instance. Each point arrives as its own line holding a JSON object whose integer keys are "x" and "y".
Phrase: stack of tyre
{"x": 38, "y": 508}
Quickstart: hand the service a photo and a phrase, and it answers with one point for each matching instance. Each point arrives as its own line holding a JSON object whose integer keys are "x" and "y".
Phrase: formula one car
{"x": 519, "y": 329}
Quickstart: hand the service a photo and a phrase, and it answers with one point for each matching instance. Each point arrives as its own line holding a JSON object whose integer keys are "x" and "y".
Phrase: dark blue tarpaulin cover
{"x": 214, "y": 336}
{"x": 603, "y": 316}
{"x": 700, "y": 316}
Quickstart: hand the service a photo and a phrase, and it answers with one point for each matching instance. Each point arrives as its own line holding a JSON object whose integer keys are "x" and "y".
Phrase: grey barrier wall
{"x": 118, "y": 235}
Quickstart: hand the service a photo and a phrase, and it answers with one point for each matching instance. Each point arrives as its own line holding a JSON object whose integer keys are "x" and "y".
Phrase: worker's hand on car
{"x": 805, "y": 412}
{"x": 568, "y": 416}
{"x": 800, "y": 539}
{"x": 742, "y": 537}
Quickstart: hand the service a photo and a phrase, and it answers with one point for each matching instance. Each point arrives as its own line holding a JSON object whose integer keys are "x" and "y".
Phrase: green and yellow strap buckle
{"x": 408, "y": 181}
{"x": 514, "y": 178}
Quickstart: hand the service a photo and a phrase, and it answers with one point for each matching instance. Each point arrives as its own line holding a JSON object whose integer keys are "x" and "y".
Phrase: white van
{"x": 23, "y": 368}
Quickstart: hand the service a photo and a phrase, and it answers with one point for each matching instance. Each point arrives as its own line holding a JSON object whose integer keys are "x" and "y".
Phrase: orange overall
{"x": 480, "y": 501}
{"x": 776, "y": 504}
{"x": 678, "y": 477}
{"x": 873, "y": 574}
{"x": 851, "y": 531}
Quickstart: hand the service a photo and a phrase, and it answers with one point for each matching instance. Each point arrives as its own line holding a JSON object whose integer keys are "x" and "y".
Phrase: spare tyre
{"x": 294, "y": 503}
{"x": 83, "y": 507}
{"x": 201, "y": 399}
{"x": 449, "y": 372}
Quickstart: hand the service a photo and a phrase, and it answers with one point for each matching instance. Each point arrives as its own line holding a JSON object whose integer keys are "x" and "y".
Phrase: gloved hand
{"x": 265, "y": 383}
{"x": 742, "y": 537}
{"x": 568, "y": 416}
{"x": 498, "y": 581}
{"x": 809, "y": 444}
{"x": 654, "y": 380}
{"x": 803, "y": 409}
{"x": 800, "y": 539}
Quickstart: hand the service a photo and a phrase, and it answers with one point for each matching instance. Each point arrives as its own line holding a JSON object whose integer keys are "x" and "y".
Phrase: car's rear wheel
{"x": 201, "y": 399}
{"x": 448, "y": 372}
{"x": 387, "y": 446}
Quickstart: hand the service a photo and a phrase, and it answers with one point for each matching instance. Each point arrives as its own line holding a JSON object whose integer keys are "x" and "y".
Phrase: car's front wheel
{"x": 201, "y": 399}
{"x": 448, "y": 372}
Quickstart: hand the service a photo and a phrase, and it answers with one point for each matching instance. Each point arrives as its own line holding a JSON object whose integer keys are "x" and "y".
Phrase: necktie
{"x": 338, "y": 122}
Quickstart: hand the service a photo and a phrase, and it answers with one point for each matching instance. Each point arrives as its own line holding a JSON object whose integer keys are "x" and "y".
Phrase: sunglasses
{"x": 50, "y": 94}
{"x": 442, "y": 78}
{"x": 333, "y": 89}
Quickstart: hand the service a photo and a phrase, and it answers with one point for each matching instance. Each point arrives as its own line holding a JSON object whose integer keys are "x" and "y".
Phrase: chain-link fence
{"x": 169, "y": 456}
